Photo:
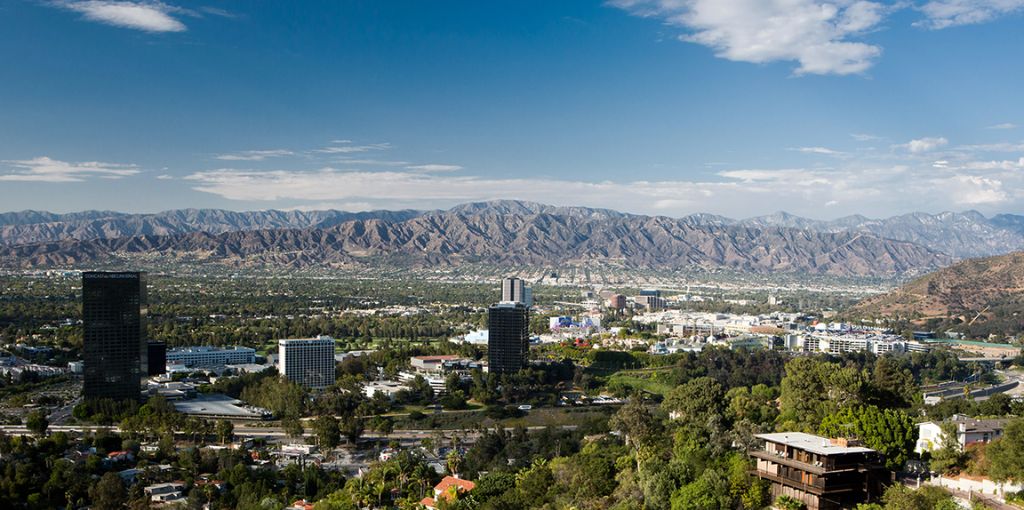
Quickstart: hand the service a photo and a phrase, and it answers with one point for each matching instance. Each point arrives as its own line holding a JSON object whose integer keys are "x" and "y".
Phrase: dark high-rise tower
{"x": 114, "y": 334}
{"x": 508, "y": 337}
{"x": 515, "y": 289}
{"x": 157, "y": 354}
{"x": 512, "y": 289}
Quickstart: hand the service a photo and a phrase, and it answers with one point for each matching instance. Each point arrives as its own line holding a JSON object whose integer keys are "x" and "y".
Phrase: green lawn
{"x": 640, "y": 382}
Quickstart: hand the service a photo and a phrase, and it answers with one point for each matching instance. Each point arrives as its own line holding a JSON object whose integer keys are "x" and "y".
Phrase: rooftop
{"x": 811, "y": 443}
{"x": 440, "y": 357}
{"x": 321, "y": 338}
{"x": 968, "y": 424}
{"x": 448, "y": 481}
{"x": 215, "y": 404}
{"x": 209, "y": 348}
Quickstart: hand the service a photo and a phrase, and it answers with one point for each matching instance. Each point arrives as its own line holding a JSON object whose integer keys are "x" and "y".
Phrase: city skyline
{"x": 643, "y": 106}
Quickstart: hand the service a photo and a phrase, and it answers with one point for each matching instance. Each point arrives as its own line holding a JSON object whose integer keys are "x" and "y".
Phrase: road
{"x": 278, "y": 432}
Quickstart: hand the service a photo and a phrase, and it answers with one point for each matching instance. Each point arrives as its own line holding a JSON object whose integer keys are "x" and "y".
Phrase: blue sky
{"x": 736, "y": 107}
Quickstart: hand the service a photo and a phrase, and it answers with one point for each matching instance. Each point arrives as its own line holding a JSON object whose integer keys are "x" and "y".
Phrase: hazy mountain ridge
{"x": 960, "y": 235}
{"x": 29, "y": 227}
{"x": 510, "y": 234}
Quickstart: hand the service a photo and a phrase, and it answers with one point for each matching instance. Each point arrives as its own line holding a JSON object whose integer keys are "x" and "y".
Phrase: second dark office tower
{"x": 513, "y": 289}
{"x": 508, "y": 337}
{"x": 114, "y": 334}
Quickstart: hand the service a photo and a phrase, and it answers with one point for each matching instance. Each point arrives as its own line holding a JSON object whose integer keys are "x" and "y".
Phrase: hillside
{"x": 508, "y": 233}
{"x": 953, "y": 296}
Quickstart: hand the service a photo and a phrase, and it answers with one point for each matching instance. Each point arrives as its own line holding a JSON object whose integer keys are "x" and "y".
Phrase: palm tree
{"x": 453, "y": 461}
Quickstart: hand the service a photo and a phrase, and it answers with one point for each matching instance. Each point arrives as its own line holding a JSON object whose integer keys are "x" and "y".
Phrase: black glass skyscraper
{"x": 157, "y": 354}
{"x": 114, "y": 334}
{"x": 508, "y": 337}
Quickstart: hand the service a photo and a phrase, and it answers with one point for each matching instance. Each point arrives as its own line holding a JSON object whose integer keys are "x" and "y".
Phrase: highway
{"x": 243, "y": 431}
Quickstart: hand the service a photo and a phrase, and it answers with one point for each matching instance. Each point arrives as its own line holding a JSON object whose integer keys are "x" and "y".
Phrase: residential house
{"x": 822, "y": 473}
{"x": 449, "y": 489}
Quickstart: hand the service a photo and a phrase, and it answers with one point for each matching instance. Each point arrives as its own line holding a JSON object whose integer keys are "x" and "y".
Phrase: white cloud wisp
{"x": 44, "y": 169}
{"x": 148, "y": 16}
{"x": 941, "y": 14}
{"x": 819, "y": 35}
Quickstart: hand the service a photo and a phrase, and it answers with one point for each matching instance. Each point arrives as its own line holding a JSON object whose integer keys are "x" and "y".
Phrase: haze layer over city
{"x": 622, "y": 254}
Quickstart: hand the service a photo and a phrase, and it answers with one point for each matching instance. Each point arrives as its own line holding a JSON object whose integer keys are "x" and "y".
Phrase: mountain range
{"x": 497, "y": 233}
{"x": 960, "y": 235}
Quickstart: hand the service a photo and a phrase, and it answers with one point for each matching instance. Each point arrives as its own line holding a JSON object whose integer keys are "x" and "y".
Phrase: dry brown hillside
{"x": 992, "y": 286}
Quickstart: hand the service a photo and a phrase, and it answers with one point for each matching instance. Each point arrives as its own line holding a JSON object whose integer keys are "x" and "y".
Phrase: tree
{"x": 382, "y": 424}
{"x": 328, "y": 434}
{"x": 1006, "y": 454}
{"x": 892, "y": 382}
{"x": 419, "y": 391}
{"x": 709, "y": 492}
{"x": 225, "y": 431}
{"x": 755, "y": 404}
{"x": 697, "y": 405}
{"x": 292, "y": 427}
{"x": 351, "y": 427}
{"x": 637, "y": 425}
{"x": 928, "y": 497}
{"x": 949, "y": 457}
{"x": 108, "y": 493}
{"x": 37, "y": 423}
{"x": 890, "y": 431}
{"x": 813, "y": 388}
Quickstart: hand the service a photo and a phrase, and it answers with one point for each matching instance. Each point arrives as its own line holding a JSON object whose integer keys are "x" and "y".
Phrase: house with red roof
{"x": 448, "y": 489}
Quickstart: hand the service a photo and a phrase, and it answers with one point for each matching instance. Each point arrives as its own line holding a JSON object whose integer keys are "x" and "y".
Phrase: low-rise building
{"x": 969, "y": 431}
{"x": 448, "y": 489}
{"x": 166, "y": 492}
{"x": 208, "y": 356}
{"x": 431, "y": 363}
{"x": 822, "y": 473}
{"x": 387, "y": 388}
{"x": 616, "y": 302}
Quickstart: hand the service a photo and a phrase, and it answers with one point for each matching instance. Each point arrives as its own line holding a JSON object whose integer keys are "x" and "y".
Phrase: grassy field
{"x": 644, "y": 381}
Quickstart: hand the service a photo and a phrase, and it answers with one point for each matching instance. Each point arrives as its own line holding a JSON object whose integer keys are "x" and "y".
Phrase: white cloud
{"x": 259, "y": 155}
{"x": 855, "y": 187}
{"x": 165, "y": 177}
{"x": 993, "y": 147}
{"x": 336, "y": 185}
{"x": 864, "y": 137}
{"x": 994, "y": 165}
{"x": 148, "y": 16}
{"x": 372, "y": 162}
{"x": 941, "y": 14}
{"x": 1004, "y": 125}
{"x": 819, "y": 150}
{"x": 346, "y": 147}
{"x": 789, "y": 177}
{"x": 435, "y": 168}
{"x": 923, "y": 144}
{"x": 972, "y": 190}
{"x": 818, "y": 35}
{"x": 44, "y": 169}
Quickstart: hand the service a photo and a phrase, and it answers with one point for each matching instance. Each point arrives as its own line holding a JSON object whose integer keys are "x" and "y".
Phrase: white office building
{"x": 207, "y": 356}
{"x": 307, "y": 361}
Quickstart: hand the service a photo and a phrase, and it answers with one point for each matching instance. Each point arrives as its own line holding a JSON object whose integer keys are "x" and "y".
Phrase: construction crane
{"x": 979, "y": 315}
